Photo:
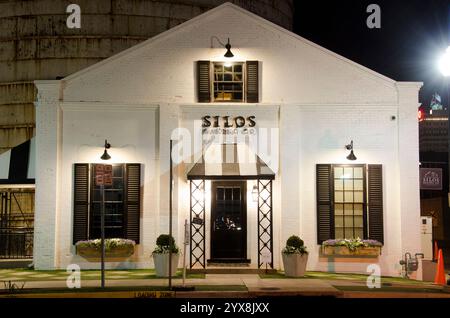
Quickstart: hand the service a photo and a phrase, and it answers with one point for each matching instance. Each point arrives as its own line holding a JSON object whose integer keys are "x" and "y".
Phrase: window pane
{"x": 358, "y": 173}
{"x": 117, "y": 171}
{"x": 238, "y": 68}
{"x": 339, "y": 196}
{"x": 338, "y": 173}
{"x": 338, "y": 185}
{"x": 349, "y": 209}
{"x": 348, "y": 221}
{"x": 359, "y": 221}
{"x": 359, "y": 185}
{"x": 348, "y": 173}
{"x": 339, "y": 221}
{"x": 339, "y": 209}
{"x": 348, "y": 232}
{"x": 359, "y": 233}
{"x": 348, "y": 184}
{"x": 358, "y": 208}
{"x": 339, "y": 233}
{"x": 348, "y": 196}
{"x": 359, "y": 197}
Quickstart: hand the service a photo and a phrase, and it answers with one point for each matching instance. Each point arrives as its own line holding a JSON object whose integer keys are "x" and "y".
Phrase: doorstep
{"x": 224, "y": 270}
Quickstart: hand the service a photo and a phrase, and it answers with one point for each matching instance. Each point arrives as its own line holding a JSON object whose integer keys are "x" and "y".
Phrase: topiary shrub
{"x": 295, "y": 245}
{"x": 295, "y": 241}
{"x": 164, "y": 244}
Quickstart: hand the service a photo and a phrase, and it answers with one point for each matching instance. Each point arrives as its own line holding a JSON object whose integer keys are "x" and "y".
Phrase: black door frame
{"x": 243, "y": 185}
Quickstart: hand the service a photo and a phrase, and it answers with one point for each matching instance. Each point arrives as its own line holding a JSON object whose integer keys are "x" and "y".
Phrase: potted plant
{"x": 351, "y": 247}
{"x": 295, "y": 257}
{"x": 114, "y": 248}
{"x": 164, "y": 245}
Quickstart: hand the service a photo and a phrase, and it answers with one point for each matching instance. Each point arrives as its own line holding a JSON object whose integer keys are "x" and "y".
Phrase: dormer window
{"x": 228, "y": 82}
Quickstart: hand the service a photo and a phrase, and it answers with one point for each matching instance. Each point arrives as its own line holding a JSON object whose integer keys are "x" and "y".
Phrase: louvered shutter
{"x": 203, "y": 82}
{"x": 252, "y": 82}
{"x": 325, "y": 222}
{"x": 375, "y": 202}
{"x": 81, "y": 202}
{"x": 133, "y": 201}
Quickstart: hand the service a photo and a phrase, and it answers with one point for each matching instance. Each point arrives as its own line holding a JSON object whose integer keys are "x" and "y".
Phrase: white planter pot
{"x": 295, "y": 264}
{"x": 162, "y": 264}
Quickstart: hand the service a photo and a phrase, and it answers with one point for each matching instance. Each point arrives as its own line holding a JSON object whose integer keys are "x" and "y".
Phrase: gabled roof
{"x": 218, "y": 10}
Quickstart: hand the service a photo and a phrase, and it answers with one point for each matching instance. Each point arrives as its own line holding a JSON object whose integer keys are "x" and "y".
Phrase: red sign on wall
{"x": 103, "y": 175}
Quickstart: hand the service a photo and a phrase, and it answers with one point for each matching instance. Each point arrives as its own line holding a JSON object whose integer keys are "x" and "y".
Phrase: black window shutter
{"x": 81, "y": 202}
{"x": 203, "y": 81}
{"x": 325, "y": 222}
{"x": 375, "y": 203}
{"x": 133, "y": 201}
{"x": 252, "y": 82}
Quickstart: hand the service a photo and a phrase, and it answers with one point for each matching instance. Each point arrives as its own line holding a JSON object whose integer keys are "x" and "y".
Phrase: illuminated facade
{"x": 267, "y": 130}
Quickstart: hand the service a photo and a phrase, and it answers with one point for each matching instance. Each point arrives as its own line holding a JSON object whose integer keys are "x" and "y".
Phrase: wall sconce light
{"x": 228, "y": 53}
{"x": 351, "y": 156}
{"x": 255, "y": 193}
{"x": 105, "y": 155}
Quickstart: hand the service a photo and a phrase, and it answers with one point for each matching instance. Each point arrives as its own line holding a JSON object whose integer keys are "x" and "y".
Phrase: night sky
{"x": 412, "y": 36}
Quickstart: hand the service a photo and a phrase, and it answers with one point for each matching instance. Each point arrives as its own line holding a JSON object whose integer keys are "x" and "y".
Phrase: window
{"x": 223, "y": 82}
{"x": 122, "y": 203}
{"x": 228, "y": 82}
{"x": 114, "y": 198}
{"x": 349, "y": 202}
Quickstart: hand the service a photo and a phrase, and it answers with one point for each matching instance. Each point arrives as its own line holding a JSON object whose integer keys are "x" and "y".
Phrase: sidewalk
{"x": 231, "y": 286}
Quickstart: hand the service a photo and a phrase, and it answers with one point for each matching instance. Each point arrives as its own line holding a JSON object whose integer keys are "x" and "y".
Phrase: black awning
{"x": 230, "y": 161}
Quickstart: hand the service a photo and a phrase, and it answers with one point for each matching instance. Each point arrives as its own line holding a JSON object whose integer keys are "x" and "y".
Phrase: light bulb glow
{"x": 444, "y": 63}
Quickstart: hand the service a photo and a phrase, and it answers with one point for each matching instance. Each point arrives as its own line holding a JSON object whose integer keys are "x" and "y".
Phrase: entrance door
{"x": 229, "y": 221}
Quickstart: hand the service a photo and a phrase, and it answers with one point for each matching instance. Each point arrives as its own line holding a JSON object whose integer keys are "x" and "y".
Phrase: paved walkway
{"x": 245, "y": 285}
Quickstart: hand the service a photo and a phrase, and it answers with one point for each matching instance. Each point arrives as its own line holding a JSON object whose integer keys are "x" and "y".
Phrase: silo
{"x": 35, "y": 43}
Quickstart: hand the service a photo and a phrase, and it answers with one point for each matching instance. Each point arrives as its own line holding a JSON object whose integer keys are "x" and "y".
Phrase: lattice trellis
{"x": 265, "y": 229}
{"x": 197, "y": 246}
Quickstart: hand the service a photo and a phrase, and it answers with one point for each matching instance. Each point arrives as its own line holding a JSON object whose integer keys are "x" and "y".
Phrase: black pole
{"x": 102, "y": 225}
{"x": 170, "y": 216}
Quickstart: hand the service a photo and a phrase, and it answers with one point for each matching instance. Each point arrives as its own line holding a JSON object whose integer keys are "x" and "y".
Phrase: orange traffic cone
{"x": 440, "y": 271}
{"x": 436, "y": 251}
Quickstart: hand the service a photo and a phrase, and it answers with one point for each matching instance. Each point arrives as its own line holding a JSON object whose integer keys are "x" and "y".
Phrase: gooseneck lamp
{"x": 351, "y": 156}
{"x": 106, "y": 155}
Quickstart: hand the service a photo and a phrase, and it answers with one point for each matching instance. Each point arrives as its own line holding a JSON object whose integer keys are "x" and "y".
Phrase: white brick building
{"x": 314, "y": 101}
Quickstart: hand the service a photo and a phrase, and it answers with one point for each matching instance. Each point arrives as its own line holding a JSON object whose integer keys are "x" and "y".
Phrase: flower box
{"x": 351, "y": 247}
{"x": 114, "y": 248}
{"x": 373, "y": 251}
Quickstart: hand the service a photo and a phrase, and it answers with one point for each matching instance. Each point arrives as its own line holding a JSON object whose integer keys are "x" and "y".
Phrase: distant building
{"x": 433, "y": 132}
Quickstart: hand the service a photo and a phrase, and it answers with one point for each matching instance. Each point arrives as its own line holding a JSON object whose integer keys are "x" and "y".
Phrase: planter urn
{"x": 162, "y": 264}
{"x": 295, "y": 264}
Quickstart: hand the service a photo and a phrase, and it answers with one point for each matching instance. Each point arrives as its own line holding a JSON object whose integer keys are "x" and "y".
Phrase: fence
{"x": 16, "y": 223}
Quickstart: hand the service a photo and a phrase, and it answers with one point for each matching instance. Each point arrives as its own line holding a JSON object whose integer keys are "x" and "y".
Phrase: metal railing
{"x": 16, "y": 243}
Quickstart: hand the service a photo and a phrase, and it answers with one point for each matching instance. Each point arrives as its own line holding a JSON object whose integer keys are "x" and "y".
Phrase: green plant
{"x": 165, "y": 244}
{"x": 110, "y": 244}
{"x": 295, "y": 245}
